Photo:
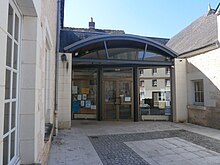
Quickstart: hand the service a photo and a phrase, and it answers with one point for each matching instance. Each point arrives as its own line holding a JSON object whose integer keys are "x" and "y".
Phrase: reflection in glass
{"x": 13, "y": 115}
{"x": 10, "y": 19}
{"x": 15, "y": 56}
{"x": 16, "y": 27}
{"x": 5, "y": 150}
{"x": 9, "y": 51}
{"x": 155, "y": 92}
{"x": 7, "y": 84}
{"x": 14, "y": 85}
{"x": 12, "y": 145}
{"x": 6, "y": 117}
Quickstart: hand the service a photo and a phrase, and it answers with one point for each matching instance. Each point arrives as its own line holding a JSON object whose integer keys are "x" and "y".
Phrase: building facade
{"x": 27, "y": 82}
{"x": 197, "y": 84}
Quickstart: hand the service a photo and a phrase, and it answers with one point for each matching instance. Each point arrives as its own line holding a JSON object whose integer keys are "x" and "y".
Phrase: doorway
{"x": 117, "y": 94}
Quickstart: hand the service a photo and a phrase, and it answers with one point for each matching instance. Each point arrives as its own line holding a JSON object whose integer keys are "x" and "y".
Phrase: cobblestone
{"x": 113, "y": 150}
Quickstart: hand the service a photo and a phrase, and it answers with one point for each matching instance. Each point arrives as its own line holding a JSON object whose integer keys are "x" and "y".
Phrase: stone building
{"x": 28, "y": 31}
{"x": 50, "y": 76}
{"x": 197, "y": 84}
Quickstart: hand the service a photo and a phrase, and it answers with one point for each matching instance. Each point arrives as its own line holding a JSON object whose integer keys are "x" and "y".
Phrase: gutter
{"x": 201, "y": 50}
{"x": 56, "y": 67}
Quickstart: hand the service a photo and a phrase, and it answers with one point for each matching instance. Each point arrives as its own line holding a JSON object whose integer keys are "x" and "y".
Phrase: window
{"x": 141, "y": 72}
{"x": 11, "y": 87}
{"x": 198, "y": 92}
{"x": 154, "y": 83}
{"x": 167, "y": 82}
{"x": 154, "y": 71}
{"x": 142, "y": 83}
{"x": 167, "y": 71}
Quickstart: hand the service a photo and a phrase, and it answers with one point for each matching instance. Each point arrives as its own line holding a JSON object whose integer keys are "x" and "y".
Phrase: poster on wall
{"x": 88, "y": 104}
{"x": 85, "y": 90}
{"x": 74, "y": 89}
{"x": 79, "y": 97}
{"x": 167, "y": 111}
{"x": 93, "y": 107}
{"x": 84, "y": 96}
{"x": 82, "y": 103}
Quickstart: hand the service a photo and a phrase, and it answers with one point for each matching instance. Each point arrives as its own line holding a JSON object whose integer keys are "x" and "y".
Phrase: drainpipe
{"x": 56, "y": 67}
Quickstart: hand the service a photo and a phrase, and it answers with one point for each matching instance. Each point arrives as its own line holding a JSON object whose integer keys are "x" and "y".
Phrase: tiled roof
{"x": 199, "y": 34}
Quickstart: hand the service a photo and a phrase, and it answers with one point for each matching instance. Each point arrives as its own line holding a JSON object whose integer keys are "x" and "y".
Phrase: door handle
{"x": 117, "y": 100}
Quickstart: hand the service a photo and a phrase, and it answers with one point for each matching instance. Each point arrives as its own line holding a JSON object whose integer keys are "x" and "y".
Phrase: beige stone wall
{"x": 180, "y": 91}
{"x": 64, "y": 92}
{"x": 206, "y": 67}
{"x": 39, "y": 32}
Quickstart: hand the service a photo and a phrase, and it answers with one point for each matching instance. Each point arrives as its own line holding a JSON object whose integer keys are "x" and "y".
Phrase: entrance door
{"x": 118, "y": 96}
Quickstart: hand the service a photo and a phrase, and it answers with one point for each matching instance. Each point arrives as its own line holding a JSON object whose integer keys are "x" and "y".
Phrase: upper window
{"x": 142, "y": 83}
{"x": 154, "y": 71}
{"x": 167, "y": 82}
{"x": 198, "y": 92}
{"x": 167, "y": 70}
{"x": 154, "y": 83}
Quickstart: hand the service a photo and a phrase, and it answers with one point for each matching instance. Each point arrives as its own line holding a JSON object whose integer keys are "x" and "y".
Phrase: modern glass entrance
{"x": 107, "y": 83}
{"x": 117, "y": 94}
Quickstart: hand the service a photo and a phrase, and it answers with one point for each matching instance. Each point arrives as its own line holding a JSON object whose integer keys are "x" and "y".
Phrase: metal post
{"x": 99, "y": 90}
{"x": 136, "y": 97}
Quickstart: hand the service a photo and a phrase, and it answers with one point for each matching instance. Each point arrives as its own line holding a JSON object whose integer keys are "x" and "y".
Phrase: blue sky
{"x": 155, "y": 18}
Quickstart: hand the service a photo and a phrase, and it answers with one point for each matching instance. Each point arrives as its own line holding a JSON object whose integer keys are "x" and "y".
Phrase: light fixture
{"x": 63, "y": 58}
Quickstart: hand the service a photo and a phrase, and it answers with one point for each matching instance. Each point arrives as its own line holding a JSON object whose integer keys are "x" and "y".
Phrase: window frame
{"x": 154, "y": 71}
{"x": 198, "y": 92}
{"x": 153, "y": 83}
{"x": 12, "y": 68}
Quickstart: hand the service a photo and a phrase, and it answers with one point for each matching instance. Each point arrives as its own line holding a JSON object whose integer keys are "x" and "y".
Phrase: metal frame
{"x": 125, "y": 37}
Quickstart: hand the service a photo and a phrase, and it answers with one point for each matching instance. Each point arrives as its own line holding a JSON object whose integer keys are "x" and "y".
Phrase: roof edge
{"x": 201, "y": 50}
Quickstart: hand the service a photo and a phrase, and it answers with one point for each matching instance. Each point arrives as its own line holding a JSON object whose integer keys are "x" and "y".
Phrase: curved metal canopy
{"x": 138, "y": 41}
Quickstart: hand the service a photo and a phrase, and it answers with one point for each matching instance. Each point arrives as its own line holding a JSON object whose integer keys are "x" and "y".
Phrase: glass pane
{"x": 155, "y": 97}
{"x": 150, "y": 56}
{"x": 7, "y": 84}
{"x": 125, "y": 91}
{"x": 110, "y": 91}
{"x": 15, "y": 56}
{"x": 110, "y": 111}
{"x": 13, "y": 115}
{"x": 125, "y": 112}
{"x": 125, "y": 53}
{"x": 117, "y": 72}
{"x": 5, "y": 150}
{"x": 16, "y": 27}
{"x": 10, "y": 19}
{"x": 14, "y": 87}
{"x": 9, "y": 51}
{"x": 12, "y": 145}
{"x": 100, "y": 54}
{"x": 6, "y": 117}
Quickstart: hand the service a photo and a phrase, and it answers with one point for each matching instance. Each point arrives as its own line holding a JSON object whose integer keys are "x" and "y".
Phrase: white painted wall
{"x": 205, "y": 66}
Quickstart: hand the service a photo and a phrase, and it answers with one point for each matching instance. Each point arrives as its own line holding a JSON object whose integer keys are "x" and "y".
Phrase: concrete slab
{"x": 148, "y": 142}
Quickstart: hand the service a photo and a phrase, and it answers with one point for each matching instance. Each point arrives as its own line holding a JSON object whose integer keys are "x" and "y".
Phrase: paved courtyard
{"x": 130, "y": 143}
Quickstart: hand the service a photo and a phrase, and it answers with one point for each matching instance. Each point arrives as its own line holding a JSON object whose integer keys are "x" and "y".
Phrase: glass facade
{"x": 120, "y": 77}
{"x": 155, "y": 92}
{"x": 84, "y": 93}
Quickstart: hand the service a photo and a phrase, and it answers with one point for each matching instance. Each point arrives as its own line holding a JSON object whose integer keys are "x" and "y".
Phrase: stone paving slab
{"x": 158, "y": 152}
{"x": 163, "y": 149}
{"x": 96, "y": 143}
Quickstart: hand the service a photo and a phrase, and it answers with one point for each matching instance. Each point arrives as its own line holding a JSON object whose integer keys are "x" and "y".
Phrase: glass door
{"x": 118, "y": 94}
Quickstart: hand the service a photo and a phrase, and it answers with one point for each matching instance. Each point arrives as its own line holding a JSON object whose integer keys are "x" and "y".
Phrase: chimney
{"x": 91, "y": 24}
